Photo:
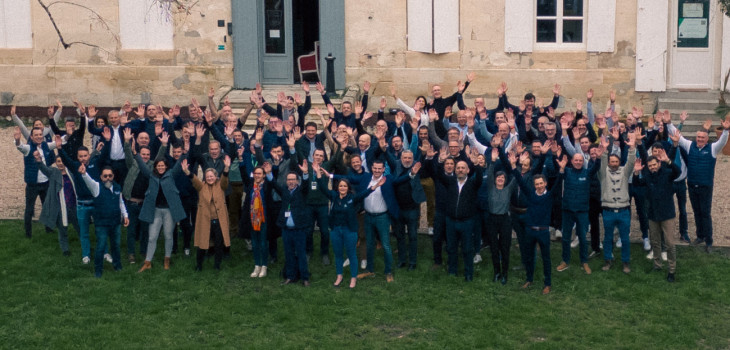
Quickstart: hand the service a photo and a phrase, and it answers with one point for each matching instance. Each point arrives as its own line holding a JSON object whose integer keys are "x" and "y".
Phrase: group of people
{"x": 483, "y": 173}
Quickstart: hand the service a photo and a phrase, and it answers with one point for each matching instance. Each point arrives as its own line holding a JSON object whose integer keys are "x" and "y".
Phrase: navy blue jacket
{"x": 660, "y": 192}
{"x": 294, "y": 202}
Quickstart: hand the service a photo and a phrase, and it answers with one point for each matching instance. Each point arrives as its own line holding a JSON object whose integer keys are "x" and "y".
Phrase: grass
{"x": 50, "y": 301}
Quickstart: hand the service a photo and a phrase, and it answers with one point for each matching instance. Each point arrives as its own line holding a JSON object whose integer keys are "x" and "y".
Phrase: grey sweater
{"x": 615, "y": 184}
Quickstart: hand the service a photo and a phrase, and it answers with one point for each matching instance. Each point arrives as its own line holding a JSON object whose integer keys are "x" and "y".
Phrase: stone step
{"x": 689, "y": 105}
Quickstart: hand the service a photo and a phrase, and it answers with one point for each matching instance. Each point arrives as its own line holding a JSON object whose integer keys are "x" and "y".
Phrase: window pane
{"x": 573, "y": 31}
{"x": 274, "y": 26}
{"x": 546, "y": 7}
{"x": 572, "y": 7}
{"x": 545, "y": 31}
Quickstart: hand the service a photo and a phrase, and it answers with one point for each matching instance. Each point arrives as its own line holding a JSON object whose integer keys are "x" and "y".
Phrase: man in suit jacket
{"x": 294, "y": 221}
{"x": 381, "y": 208}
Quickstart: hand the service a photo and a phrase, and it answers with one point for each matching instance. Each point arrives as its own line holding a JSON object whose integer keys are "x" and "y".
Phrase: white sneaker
{"x": 558, "y": 233}
{"x": 108, "y": 258}
{"x": 430, "y": 231}
{"x": 618, "y": 243}
{"x": 256, "y": 271}
{"x": 363, "y": 264}
{"x": 575, "y": 242}
{"x": 262, "y": 273}
{"x": 650, "y": 256}
{"x": 477, "y": 258}
{"x": 346, "y": 263}
{"x": 600, "y": 245}
{"x": 187, "y": 252}
{"x": 647, "y": 244}
{"x": 664, "y": 256}
{"x": 248, "y": 245}
{"x": 86, "y": 260}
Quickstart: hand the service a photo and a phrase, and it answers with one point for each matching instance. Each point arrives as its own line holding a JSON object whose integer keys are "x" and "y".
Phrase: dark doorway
{"x": 305, "y": 26}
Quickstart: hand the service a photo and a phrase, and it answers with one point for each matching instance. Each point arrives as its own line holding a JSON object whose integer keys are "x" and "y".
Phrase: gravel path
{"x": 12, "y": 197}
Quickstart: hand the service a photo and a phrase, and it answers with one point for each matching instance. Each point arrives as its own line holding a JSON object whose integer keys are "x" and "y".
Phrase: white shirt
{"x": 25, "y": 149}
{"x": 117, "y": 151}
{"x": 375, "y": 203}
{"x": 461, "y": 183}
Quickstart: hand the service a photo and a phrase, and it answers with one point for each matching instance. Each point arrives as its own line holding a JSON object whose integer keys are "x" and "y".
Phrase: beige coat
{"x": 202, "y": 220}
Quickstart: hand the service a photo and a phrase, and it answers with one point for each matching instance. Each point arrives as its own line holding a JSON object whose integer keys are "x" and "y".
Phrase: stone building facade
{"x": 143, "y": 52}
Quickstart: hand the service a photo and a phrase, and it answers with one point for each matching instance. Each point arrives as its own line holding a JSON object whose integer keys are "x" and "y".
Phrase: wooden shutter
{"x": 601, "y": 26}
{"x": 651, "y": 45}
{"x": 445, "y": 26}
{"x": 519, "y": 25}
{"x": 420, "y": 25}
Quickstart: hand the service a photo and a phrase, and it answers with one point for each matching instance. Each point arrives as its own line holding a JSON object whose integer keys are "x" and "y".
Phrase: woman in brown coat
{"x": 212, "y": 217}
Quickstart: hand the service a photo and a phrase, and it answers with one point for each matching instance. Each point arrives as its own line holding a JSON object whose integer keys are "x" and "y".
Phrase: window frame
{"x": 558, "y": 45}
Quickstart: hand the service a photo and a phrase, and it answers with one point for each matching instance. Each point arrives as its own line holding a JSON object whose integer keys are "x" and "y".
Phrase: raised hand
{"x": 164, "y": 138}
{"x": 512, "y": 157}
{"x": 199, "y": 130}
{"x": 726, "y": 122}
{"x": 399, "y": 118}
{"x": 675, "y": 136}
{"x": 184, "y": 166}
{"x": 358, "y": 108}
{"x": 589, "y": 95}
{"x": 638, "y": 166}
{"x": 126, "y": 107}
{"x": 175, "y": 110}
{"x": 227, "y": 162}
{"x": 51, "y": 110}
{"x": 320, "y": 88}
{"x": 366, "y": 86}
{"x": 683, "y": 116}
{"x": 381, "y": 182}
{"x": 211, "y": 93}
{"x": 316, "y": 170}
{"x": 37, "y": 156}
{"x": 632, "y": 140}
{"x": 563, "y": 162}
{"x": 305, "y": 87}
{"x": 16, "y": 134}
{"x": 304, "y": 167}
{"x": 416, "y": 167}
{"x": 140, "y": 111}
{"x": 578, "y": 105}
{"x": 522, "y": 106}
{"x": 612, "y": 96}
{"x": 240, "y": 152}
{"x": 92, "y": 111}
{"x": 460, "y": 86}
{"x": 433, "y": 115}
{"x": 158, "y": 128}
{"x": 267, "y": 167}
{"x": 298, "y": 99}
{"x": 107, "y": 134}
{"x": 546, "y": 146}
{"x": 82, "y": 169}
{"x": 470, "y": 77}
{"x": 258, "y": 89}
{"x": 393, "y": 91}
{"x": 556, "y": 90}
{"x": 707, "y": 124}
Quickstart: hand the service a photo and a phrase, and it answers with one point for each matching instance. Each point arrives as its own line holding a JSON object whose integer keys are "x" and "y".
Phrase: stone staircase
{"x": 699, "y": 105}
{"x": 240, "y": 99}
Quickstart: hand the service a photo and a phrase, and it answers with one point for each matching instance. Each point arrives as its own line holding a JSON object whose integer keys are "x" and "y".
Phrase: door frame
{"x": 246, "y": 22}
{"x": 673, "y": 49}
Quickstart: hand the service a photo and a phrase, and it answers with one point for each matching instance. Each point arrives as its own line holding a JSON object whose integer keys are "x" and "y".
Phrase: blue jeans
{"x": 580, "y": 219}
{"x": 460, "y": 231}
{"x": 137, "y": 230}
{"x": 408, "y": 220}
{"x": 542, "y": 238}
{"x": 83, "y": 214}
{"x": 701, "y": 199}
{"x": 320, "y": 214}
{"x": 622, "y": 220}
{"x": 638, "y": 193}
{"x": 341, "y": 237}
{"x": 102, "y": 234}
{"x": 260, "y": 246}
{"x": 295, "y": 253}
{"x": 163, "y": 219}
{"x": 378, "y": 224}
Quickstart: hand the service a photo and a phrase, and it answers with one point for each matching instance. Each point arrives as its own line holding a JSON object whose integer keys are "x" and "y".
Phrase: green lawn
{"x": 50, "y": 301}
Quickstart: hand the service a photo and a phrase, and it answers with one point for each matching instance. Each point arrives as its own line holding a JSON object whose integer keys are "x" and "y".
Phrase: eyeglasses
{"x": 107, "y": 176}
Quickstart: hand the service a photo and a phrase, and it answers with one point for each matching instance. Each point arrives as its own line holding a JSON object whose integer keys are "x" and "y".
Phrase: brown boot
{"x": 146, "y": 266}
{"x": 167, "y": 263}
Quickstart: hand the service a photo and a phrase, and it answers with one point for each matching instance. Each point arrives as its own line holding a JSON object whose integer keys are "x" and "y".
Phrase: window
{"x": 15, "y": 30}
{"x": 145, "y": 25}
{"x": 559, "y": 24}
{"x": 433, "y": 26}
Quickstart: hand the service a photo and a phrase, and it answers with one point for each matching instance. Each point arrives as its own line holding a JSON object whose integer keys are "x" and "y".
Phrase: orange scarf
{"x": 257, "y": 208}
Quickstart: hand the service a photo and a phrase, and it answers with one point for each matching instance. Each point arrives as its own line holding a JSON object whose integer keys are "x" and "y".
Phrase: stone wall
{"x": 108, "y": 75}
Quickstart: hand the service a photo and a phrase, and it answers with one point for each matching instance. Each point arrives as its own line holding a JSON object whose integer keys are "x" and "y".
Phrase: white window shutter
{"x": 519, "y": 25}
{"x": 420, "y": 25}
{"x": 142, "y": 26}
{"x": 159, "y": 27}
{"x": 601, "y": 26}
{"x": 445, "y": 26}
{"x": 15, "y": 29}
{"x": 652, "y": 24}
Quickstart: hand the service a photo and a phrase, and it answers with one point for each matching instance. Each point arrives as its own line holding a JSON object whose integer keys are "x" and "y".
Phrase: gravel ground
{"x": 12, "y": 198}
